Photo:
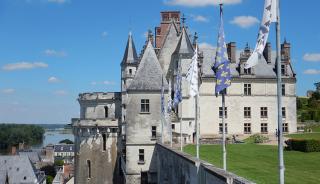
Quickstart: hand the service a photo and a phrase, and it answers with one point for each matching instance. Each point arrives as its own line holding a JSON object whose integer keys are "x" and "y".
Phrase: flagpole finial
{"x": 183, "y": 20}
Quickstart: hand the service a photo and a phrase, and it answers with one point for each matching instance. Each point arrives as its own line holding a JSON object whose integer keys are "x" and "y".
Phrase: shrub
{"x": 304, "y": 145}
{"x": 258, "y": 138}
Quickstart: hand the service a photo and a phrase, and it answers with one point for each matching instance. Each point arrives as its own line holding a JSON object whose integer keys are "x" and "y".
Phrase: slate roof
{"x": 19, "y": 169}
{"x": 261, "y": 70}
{"x": 149, "y": 73}
{"x": 184, "y": 45}
{"x": 168, "y": 47}
{"x": 130, "y": 54}
{"x": 64, "y": 148}
{"x": 32, "y": 155}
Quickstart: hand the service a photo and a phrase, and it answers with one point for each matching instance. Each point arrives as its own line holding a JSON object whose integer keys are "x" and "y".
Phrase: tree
{"x": 49, "y": 170}
{"x": 49, "y": 179}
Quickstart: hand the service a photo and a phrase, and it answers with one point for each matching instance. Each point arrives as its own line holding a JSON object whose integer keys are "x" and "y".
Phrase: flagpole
{"x": 181, "y": 144}
{"x": 279, "y": 100}
{"x": 224, "y": 152}
{"x": 197, "y": 125}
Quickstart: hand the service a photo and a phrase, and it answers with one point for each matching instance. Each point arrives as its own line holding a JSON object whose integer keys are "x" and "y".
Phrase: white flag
{"x": 192, "y": 75}
{"x": 269, "y": 16}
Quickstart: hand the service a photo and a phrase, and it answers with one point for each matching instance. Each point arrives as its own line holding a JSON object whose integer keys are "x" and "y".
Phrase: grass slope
{"x": 259, "y": 163}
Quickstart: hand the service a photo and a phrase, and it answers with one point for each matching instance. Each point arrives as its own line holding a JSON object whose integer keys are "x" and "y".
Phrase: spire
{"x": 149, "y": 74}
{"x": 195, "y": 39}
{"x": 130, "y": 54}
{"x": 184, "y": 45}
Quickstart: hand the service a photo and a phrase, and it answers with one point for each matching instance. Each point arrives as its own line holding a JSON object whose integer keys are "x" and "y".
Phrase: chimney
{"x": 267, "y": 52}
{"x": 285, "y": 52}
{"x": 231, "y": 49}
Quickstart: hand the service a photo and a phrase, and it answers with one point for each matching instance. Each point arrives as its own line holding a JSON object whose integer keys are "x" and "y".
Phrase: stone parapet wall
{"x": 174, "y": 166}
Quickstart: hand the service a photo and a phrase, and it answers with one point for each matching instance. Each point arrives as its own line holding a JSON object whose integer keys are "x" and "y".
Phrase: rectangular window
{"x": 106, "y": 111}
{"x": 247, "y": 112}
{"x": 264, "y": 128}
{"x": 285, "y": 128}
{"x": 173, "y": 126}
{"x": 145, "y": 105}
{"x": 247, "y": 128}
{"x": 89, "y": 168}
{"x": 221, "y": 128}
{"x": 141, "y": 155}
{"x": 264, "y": 112}
{"x": 283, "y": 89}
{"x": 154, "y": 132}
{"x": 247, "y": 89}
{"x": 104, "y": 146}
{"x": 283, "y": 112}
{"x": 225, "y": 112}
{"x": 283, "y": 69}
{"x": 130, "y": 71}
{"x": 247, "y": 71}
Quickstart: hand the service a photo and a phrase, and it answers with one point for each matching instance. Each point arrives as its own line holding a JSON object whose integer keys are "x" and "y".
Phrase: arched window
{"x": 89, "y": 168}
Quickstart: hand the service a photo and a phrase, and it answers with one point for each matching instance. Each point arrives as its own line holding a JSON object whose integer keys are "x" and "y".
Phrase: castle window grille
{"x": 145, "y": 105}
{"x": 247, "y": 128}
{"x": 264, "y": 128}
{"x": 285, "y": 127}
{"x": 247, "y": 89}
{"x": 225, "y": 112}
{"x": 264, "y": 112}
{"x": 283, "y": 89}
{"x": 141, "y": 155}
{"x": 153, "y": 132}
{"x": 247, "y": 112}
{"x": 221, "y": 128}
{"x": 283, "y": 112}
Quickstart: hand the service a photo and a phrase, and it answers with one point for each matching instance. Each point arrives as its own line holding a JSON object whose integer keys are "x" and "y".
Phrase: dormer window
{"x": 130, "y": 71}
{"x": 247, "y": 71}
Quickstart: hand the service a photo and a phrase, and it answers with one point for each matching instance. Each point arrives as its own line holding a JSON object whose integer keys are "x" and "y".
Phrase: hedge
{"x": 304, "y": 145}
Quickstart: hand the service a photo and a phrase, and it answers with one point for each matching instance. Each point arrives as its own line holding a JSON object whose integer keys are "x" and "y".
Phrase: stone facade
{"x": 96, "y": 134}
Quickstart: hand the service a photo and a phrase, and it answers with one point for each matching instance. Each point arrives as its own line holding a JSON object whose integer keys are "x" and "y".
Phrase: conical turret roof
{"x": 130, "y": 55}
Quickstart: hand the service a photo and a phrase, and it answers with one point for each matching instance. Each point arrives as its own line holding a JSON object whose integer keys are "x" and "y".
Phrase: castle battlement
{"x": 99, "y": 96}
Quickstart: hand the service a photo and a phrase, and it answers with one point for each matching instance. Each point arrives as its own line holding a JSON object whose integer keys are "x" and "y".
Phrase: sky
{"x": 52, "y": 50}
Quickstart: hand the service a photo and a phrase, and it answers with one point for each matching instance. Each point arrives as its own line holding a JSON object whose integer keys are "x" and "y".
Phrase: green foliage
{"x": 259, "y": 163}
{"x": 49, "y": 170}
{"x": 314, "y": 135}
{"x": 49, "y": 179}
{"x": 13, "y": 134}
{"x": 66, "y": 141}
{"x": 309, "y": 108}
{"x": 58, "y": 163}
{"x": 304, "y": 145}
{"x": 257, "y": 138}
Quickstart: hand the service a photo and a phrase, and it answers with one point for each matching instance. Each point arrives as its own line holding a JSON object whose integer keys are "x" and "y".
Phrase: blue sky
{"x": 51, "y": 50}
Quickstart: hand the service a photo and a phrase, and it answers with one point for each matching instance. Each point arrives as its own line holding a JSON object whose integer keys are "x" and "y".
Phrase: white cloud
{"x": 8, "y": 91}
{"x": 201, "y": 3}
{"x": 24, "y": 66}
{"x": 52, "y": 52}
{"x": 60, "y": 92}
{"x": 244, "y": 21}
{"x": 104, "y": 34}
{"x": 57, "y": 1}
{"x": 53, "y": 80}
{"x": 205, "y": 45}
{"x": 199, "y": 18}
{"x": 106, "y": 82}
{"x": 109, "y": 82}
{"x": 312, "y": 72}
{"x": 313, "y": 57}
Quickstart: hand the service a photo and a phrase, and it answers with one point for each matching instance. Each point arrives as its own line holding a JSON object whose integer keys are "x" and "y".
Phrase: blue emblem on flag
{"x": 177, "y": 92}
{"x": 222, "y": 65}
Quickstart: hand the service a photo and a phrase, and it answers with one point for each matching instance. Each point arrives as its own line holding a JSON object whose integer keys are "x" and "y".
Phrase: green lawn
{"x": 305, "y": 136}
{"x": 259, "y": 163}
